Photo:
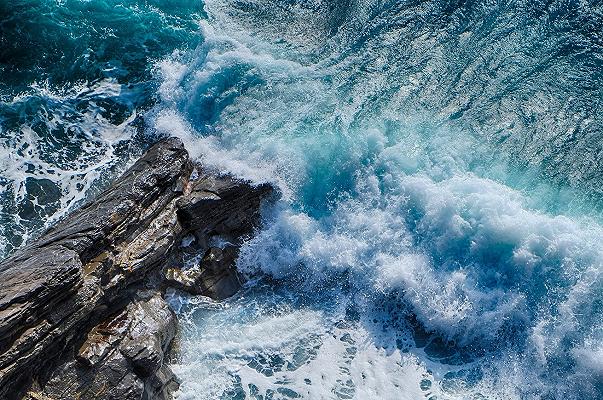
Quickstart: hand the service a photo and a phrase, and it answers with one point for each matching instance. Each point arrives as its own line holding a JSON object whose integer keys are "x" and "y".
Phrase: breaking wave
{"x": 439, "y": 229}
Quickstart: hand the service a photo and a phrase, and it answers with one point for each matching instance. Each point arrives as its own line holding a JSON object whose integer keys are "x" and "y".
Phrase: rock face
{"x": 121, "y": 358}
{"x": 215, "y": 276}
{"x": 81, "y": 310}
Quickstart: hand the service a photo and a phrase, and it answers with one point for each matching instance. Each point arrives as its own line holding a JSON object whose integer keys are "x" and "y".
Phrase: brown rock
{"x": 121, "y": 358}
{"x": 216, "y": 276}
{"x": 81, "y": 315}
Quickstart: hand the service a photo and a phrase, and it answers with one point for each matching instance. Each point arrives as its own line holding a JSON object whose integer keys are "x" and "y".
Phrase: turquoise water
{"x": 76, "y": 78}
{"x": 440, "y": 224}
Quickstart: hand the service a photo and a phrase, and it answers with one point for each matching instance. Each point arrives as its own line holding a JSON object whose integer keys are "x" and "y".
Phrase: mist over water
{"x": 439, "y": 230}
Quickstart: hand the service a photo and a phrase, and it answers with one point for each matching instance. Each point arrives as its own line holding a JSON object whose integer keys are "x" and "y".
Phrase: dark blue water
{"x": 76, "y": 78}
{"x": 440, "y": 228}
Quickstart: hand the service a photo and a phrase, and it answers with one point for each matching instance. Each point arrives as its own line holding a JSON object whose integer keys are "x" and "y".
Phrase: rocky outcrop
{"x": 81, "y": 310}
{"x": 215, "y": 276}
{"x": 121, "y": 358}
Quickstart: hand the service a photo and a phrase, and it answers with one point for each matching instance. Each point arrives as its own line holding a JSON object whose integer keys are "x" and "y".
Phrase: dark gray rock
{"x": 80, "y": 313}
{"x": 236, "y": 215}
{"x": 122, "y": 357}
{"x": 215, "y": 276}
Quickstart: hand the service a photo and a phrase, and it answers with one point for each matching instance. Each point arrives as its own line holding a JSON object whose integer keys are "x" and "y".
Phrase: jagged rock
{"x": 122, "y": 357}
{"x": 74, "y": 316}
{"x": 215, "y": 276}
{"x": 234, "y": 218}
{"x": 219, "y": 278}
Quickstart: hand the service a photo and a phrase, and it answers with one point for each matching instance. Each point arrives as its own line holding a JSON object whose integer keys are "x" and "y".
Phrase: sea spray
{"x": 76, "y": 78}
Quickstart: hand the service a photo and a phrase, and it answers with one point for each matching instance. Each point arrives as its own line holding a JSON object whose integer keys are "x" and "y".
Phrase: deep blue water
{"x": 439, "y": 233}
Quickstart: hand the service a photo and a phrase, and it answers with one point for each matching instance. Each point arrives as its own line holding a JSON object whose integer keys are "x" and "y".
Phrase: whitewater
{"x": 438, "y": 233}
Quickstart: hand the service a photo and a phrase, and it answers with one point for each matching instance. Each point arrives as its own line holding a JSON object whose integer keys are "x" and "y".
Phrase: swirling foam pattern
{"x": 75, "y": 80}
{"x": 439, "y": 230}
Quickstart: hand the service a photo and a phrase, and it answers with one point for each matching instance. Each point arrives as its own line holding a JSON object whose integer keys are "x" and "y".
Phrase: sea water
{"x": 439, "y": 230}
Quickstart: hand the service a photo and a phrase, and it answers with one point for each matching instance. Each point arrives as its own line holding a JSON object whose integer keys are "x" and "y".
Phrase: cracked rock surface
{"x": 82, "y": 313}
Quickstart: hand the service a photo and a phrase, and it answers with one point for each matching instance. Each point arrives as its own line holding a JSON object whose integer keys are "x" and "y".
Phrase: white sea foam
{"x": 418, "y": 226}
{"x": 257, "y": 348}
{"x": 26, "y": 155}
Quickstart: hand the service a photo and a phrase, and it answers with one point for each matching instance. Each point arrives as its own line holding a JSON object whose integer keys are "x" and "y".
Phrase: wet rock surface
{"x": 81, "y": 309}
{"x": 122, "y": 357}
{"x": 215, "y": 276}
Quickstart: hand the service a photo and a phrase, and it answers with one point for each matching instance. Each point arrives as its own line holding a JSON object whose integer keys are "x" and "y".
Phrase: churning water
{"x": 440, "y": 163}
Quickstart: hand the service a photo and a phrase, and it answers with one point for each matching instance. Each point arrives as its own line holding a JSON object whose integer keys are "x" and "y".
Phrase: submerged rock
{"x": 81, "y": 314}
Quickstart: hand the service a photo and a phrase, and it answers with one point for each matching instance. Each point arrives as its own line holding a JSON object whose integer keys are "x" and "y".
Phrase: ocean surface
{"x": 440, "y": 230}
